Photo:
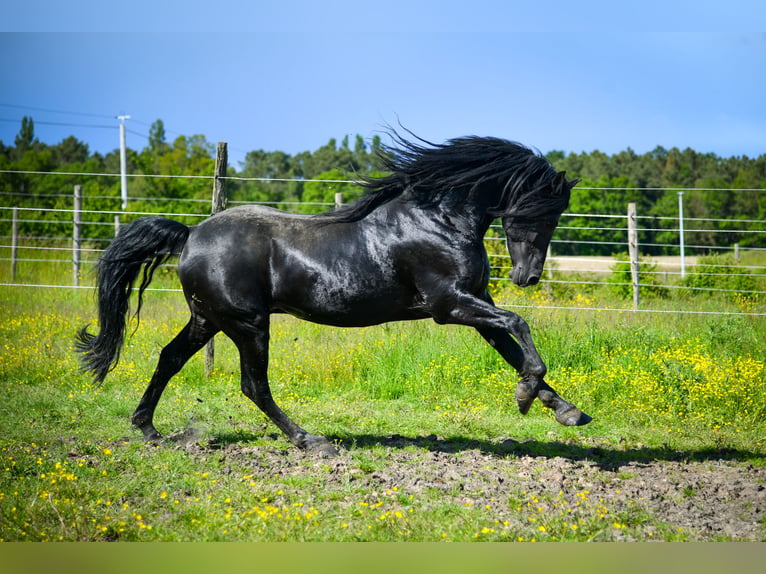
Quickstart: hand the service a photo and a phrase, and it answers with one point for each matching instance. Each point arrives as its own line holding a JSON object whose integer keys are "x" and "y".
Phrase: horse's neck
{"x": 466, "y": 219}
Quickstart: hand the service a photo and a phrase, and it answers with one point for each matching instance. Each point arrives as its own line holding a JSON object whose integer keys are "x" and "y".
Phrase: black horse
{"x": 411, "y": 248}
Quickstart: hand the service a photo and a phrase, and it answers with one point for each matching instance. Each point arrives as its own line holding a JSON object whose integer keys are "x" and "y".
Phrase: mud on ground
{"x": 707, "y": 495}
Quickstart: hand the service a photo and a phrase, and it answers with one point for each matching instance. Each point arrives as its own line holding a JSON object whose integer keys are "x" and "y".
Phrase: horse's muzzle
{"x": 524, "y": 277}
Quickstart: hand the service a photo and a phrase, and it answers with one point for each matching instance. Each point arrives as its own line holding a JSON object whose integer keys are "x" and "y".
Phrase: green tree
{"x": 270, "y": 169}
{"x": 157, "y": 143}
{"x": 71, "y": 150}
{"x": 26, "y": 136}
{"x": 322, "y": 189}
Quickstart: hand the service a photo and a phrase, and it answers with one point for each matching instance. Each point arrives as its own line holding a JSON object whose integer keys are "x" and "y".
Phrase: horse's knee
{"x": 537, "y": 370}
{"x": 517, "y": 325}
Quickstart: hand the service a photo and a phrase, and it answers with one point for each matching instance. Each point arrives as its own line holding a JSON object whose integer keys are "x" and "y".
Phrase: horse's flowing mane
{"x": 428, "y": 174}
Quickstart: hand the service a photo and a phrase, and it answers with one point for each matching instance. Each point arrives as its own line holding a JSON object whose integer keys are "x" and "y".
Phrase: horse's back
{"x": 254, "y": 258}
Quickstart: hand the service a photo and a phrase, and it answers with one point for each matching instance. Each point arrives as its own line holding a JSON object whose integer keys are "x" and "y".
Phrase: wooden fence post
{"x": 338, "y": 200}
{"x": 219, "y": 184}
{"x": 14, "y": 242}
{"x": 76, "y": 235}
{"x": 219, "y": 204}
{"x": 633, "y": 253}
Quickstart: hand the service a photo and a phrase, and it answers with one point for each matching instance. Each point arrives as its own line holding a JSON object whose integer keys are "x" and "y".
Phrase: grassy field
{"x": 71, "y": 467}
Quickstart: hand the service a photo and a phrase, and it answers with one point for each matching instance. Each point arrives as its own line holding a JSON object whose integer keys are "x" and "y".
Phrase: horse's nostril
{"x": 533, "y": 280}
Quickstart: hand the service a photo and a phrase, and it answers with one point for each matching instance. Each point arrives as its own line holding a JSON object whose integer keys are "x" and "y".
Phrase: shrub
{"x": 621, "y": 283}
{"x": 720, "y": 272}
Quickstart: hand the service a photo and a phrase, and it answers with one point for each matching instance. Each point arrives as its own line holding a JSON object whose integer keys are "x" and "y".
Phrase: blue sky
{"x": 290, "y": 75}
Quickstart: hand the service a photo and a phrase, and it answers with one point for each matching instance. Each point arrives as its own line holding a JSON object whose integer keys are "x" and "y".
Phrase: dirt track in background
{"x": 669, "y": 263}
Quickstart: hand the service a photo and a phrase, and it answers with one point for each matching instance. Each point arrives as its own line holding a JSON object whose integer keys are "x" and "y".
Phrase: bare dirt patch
{"x": 706, "y": 495}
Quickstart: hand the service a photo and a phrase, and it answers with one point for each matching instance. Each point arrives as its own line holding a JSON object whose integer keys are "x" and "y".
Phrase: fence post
{"x": 338, "y": 200}
{"x": 218, "y": 204}
{"x": 116, "y": 225}
{"x": 14, "y": 242}
{"x": 633, "y": 253}
{"x": 76, "y": 235}
{"x": 219, "y": 184}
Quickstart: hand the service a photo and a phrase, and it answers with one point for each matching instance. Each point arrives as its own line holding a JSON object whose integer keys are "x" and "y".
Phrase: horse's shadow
{"x": 607, "y": 457}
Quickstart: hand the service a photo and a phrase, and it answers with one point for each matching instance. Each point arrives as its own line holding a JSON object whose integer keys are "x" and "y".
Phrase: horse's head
{"x": 528, "y": 245}
{"x": 529, "y": 235}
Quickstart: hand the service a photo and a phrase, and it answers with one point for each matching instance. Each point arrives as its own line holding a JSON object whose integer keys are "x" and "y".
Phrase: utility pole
{"x": 123, "y": 163}
{"x": 635, "y": 274}
{"x": 681, "y": 231}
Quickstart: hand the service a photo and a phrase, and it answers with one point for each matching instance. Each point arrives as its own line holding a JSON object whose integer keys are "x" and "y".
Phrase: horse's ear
{"x": 560, "y": 183}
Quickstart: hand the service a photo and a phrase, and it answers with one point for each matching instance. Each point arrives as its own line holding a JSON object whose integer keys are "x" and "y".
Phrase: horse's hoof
{"x": 321, "y": 447}
{"x": 524, "y": 398}
{"x": 152, "y": 436}
{"x": 573, "y": 417}
{"x": 328, "y": 450}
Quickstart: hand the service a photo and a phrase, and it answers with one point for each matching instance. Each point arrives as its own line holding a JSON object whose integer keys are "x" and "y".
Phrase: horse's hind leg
{"x": 253, "y": 344}
{"x": 197, "y": 332}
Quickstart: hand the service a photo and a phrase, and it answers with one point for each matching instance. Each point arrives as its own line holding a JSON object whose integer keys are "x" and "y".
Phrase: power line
{"x": 179, "y": 176}
{"x": 149, "y": 126}
{"x": 64, "y": 124}
{"x": 135, "y": 133}
{"x": 50, "y": 111}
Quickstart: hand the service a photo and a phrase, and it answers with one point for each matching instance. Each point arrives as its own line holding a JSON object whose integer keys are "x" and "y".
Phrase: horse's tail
{"x": 147, "y": 242}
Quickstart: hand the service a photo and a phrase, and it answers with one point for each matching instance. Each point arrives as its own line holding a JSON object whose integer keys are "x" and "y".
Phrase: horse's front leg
{"x": 531, "y": 378}
{"x": 532, "y": 386}
{"x": 500, "y": 327}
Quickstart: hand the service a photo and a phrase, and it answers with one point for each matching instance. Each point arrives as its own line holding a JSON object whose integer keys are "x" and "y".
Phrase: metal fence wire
{"x": 76, "y": 235}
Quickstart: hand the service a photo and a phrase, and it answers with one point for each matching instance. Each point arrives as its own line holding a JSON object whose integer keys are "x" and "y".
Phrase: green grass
{"x": 660, "y": 387}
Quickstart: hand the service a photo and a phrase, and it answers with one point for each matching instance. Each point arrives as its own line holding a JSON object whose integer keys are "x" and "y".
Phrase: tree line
{"x": 715, "y": 188}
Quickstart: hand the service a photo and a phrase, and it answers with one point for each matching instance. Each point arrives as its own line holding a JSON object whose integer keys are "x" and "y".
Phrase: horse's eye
{"x": 517, "y": 234}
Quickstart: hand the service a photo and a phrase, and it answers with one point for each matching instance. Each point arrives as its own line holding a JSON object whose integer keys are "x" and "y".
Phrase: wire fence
{"x": 39, "y": 235}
